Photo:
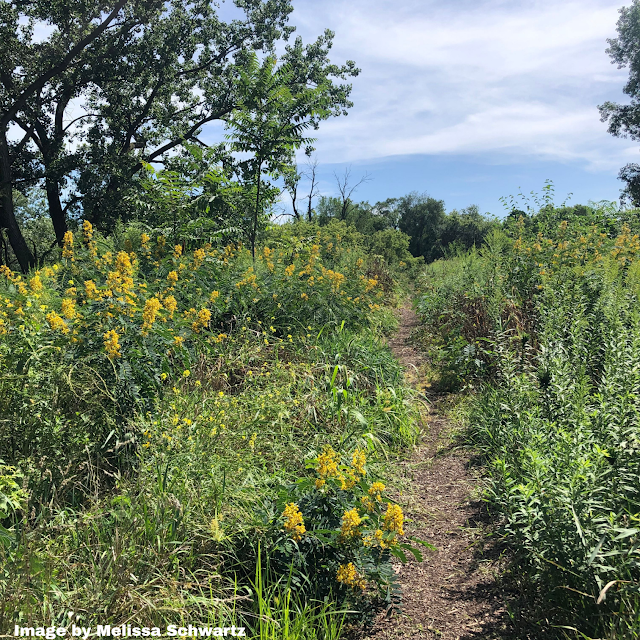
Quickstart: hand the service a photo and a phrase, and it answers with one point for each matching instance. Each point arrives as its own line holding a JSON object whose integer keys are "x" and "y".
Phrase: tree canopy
{"x": 110, "y": 90}
{"x": 624, "y": 119}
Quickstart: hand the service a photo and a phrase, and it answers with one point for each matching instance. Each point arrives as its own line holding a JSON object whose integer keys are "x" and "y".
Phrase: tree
{"x": 421, "y": 218}
{"x": 147, "y": 77}
{"x": 624, "y": 119}
{"x": 277, "y": 104}
{"x": 30, "y": 70}
{"x": 310, "y": 174}
{"x": 346, "y": 190}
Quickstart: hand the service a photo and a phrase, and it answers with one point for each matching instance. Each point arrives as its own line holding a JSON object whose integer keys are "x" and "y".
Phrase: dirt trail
{"x": 454, "y": 594}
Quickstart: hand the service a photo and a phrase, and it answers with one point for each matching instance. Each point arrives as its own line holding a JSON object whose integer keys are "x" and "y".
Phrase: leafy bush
{"x": 557, "y": 419}
{"x": 334, "y": 535}
{"x": 151, "y": 434}
{"x": 104, "y": 330}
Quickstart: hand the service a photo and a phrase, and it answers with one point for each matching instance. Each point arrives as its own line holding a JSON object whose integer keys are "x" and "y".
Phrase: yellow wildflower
{"x": 202, "y": 321}
{"x": 68, "y": 308}
{"x": 328, "y": 462}
{"x": 67, "y": 246}
{"x": 394, "y": 518}
{"x": 56, "y": 322}
{"x": 379, "y": 537}
{"x": 91, "y": 291}
{"x": 293, "y": 521}
{"x": 347, "y": 574}
{"x": 198, "y": 257}
{"x": 123, "y": 264}
{"x": 151, "y": 308}
{"x": 170, "y": 304}
{"x": 35, "y": 284}
{"x": 376, "y": 489}
{"x": 367, "y": 503}
{"x": 350, "y": 522}
{"x": 111, "y": 344}
{"x": 358, "y": 461}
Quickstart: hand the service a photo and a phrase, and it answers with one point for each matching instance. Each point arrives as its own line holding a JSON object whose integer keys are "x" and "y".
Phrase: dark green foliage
{"x": 148, "y": 76}
{"x": 431, "y": 231}
{"x": 622, "y": 119}
{"x": 549, "y": 321}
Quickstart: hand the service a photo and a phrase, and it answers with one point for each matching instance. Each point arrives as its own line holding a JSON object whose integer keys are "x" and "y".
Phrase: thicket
{"x": 197, "y": 435}
{"x": 543, "y": 321}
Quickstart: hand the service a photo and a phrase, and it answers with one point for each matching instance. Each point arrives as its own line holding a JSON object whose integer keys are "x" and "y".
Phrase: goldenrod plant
{"x": 156, "y": 396}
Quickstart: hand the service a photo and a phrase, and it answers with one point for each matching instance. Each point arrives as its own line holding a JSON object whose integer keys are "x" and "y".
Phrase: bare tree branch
{"x": 346, "y": 190}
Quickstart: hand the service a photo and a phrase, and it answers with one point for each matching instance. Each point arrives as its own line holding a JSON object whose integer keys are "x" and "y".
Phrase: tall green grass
{"x": 548, "y": 328}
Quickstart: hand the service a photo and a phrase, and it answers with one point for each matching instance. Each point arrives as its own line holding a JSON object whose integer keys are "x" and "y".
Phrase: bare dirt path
{"x": 455, "y": 593}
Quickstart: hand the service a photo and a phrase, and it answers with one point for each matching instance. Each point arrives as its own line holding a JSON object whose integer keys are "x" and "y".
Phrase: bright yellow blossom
{"x": 350, "y": 522}
{"x": 347, "y": 574}
{"x": 293, "y": 521}
{"x": 151, "y": 308}
{"x": 393, "y": 519}
{"x": 111, "y": 344}
{"x": 67, "y": 245}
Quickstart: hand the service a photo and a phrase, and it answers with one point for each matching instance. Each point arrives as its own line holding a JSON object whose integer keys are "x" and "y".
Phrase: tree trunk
{"x": 254, "y": 231}
{"x": 55, "y": 209}
{"x": 7, "y": 213}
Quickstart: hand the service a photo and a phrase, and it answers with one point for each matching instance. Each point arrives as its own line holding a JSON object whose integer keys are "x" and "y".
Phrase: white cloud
{"x": 488, "y": 77}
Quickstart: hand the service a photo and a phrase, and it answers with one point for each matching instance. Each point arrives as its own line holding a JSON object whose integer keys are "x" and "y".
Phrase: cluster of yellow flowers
{"x": 327, "y": 466}
{"x": 351, "y": 520}
{"x": 375, "y": 495}
{"x": 67, "y": 246}
{"x": 394, "y": 519}
{"x": 56, "y": 322}
{"x": 131, "y": 290}
{"x": 111, "y": 344}
{"x": 151, "y": 308}
{"x": 202, "y": 320}
{"x": 293, "y": 521}
{"x": 347, "y": 574}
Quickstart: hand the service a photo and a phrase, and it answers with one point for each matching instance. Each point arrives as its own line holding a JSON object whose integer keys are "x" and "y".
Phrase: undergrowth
{"x": 543, "y": 322}
{"x": 161, "y": 411}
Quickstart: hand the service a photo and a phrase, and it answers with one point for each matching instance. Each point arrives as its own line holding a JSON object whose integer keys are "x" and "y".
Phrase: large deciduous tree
{"x": 110, "y": 89}
{"x": 624, "y": 119}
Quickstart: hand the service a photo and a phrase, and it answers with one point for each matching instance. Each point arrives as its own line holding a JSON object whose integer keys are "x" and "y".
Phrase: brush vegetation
{"x": 543, "y": 324}
{"x": 189, "y": 434}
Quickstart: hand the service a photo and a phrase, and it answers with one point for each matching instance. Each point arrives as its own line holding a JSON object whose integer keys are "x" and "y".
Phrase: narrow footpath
{"x": 455, "y": 593}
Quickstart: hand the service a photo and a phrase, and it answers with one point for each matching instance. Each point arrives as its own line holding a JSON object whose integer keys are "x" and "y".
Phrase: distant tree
{"x": 311, "y": 175}
{"x": 291, "y": 185}
{"x": 390, "y": 211}
{"x": 346, "y": 189}
{"x": 467, "y": 228}
{"x": 421, "y": 218}
{"x": 329, "y": 208}
{"x": 624, "y": 119}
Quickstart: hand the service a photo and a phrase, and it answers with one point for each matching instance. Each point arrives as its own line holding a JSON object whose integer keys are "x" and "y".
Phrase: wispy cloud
{"x": 486, "y": 77}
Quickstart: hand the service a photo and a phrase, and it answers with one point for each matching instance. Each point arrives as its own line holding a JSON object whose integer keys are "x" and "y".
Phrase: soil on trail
{"x": 455, "y": 592}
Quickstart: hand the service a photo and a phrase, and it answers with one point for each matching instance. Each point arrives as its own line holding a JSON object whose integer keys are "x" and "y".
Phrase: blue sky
{"x": 470, "y": 101}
